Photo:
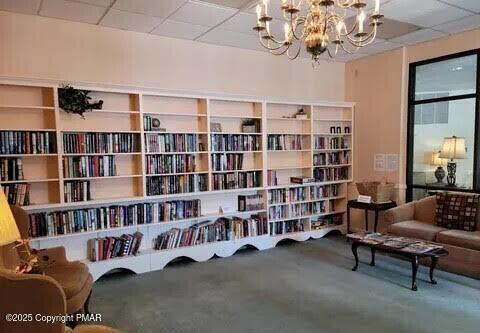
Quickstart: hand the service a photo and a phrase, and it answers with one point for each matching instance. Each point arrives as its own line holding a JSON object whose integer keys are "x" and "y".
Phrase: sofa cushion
{"x": 460, "y": 238}
{"x": 71, "y": 276}
{"x": 416, "y": 229}
{"x": 457, "y": 211}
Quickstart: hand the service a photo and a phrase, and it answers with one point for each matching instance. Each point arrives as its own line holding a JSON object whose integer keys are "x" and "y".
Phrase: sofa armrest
{"x": 401, "y": 213}
{"x": 53, "y": 254}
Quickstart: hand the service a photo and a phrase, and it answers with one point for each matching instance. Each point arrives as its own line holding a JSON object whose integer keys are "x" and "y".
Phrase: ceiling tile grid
{"x": 230, "y": 22}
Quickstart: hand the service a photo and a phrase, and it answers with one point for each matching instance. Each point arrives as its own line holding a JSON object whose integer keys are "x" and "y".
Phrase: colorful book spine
{"x": 164, "y": 164}
{"x": 227, "y": 162}
{"x": 171, "y": 142}
{"x": 235, "y": 142}
{"x": 100, "y": 143}
{"x": 161, "y": 185}
{"x": 89, "y": 166}
{"x": 27, "y": 142}
{"x": 284, "y": 142}
{"x": 17, "y": 194}
{"x": 104, "y": 218}
{"x": 112, "y": 247}
{"x": 11, "y": 169}
{"x": 236, "y": 180}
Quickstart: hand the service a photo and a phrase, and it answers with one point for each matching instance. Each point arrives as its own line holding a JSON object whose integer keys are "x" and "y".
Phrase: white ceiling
{"x": 229, "y": 22}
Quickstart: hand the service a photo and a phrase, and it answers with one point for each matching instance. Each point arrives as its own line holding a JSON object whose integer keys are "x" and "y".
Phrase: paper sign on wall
{"x": 379, "y": 162}
{"x": 392, "y": 162}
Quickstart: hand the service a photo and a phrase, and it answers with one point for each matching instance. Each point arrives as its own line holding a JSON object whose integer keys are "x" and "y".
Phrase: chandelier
{"x": 320, "y": 25}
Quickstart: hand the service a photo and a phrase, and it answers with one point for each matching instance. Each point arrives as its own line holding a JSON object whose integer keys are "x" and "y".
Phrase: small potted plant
{"x": 77, "y": 101}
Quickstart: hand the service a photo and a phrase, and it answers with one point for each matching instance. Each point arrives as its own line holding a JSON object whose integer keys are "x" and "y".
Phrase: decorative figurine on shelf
{"x": 156, "y": 125}
{"x": 333, "y": 130}
{"x": 346, "y": 130}
{"x": 339, "y": 130}
{"x": 249, "y": 126}
{"x": 77, "y": 101}
{"x": 216, "y": 127}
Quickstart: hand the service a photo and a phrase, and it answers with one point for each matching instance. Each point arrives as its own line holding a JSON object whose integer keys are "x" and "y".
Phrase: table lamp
{"x": 8, "y": 227}
{"x": 453, "y": 149}
{"x": 439, "y": 163}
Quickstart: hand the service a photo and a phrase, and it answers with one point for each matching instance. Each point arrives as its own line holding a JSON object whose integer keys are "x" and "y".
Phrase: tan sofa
{"x": 417, "y": 220}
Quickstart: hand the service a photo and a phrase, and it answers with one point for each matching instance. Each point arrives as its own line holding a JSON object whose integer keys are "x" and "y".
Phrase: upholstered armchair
{"x": 38, "y": 295}
{"x": 73, "y": 276}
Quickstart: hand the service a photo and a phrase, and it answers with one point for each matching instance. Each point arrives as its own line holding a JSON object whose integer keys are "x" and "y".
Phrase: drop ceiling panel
{"x": 229, "y": 3}
{"x": 20, "y": 6}
{"x": 130, "y": 21}
{"x": 424, "y": 13}
{"x": 181, "y": 30}
{"x": 72, "y": 11}
{"x": 418, "y": 36}
{"x": 473, "y": 5}
{"x": 163, "y": 8}
{"x": 467, "y": 23}
{"x": 101, "y": 3}
{"x": 242, "y": 22}
{"x": 201, "y": 13}
{"x": 379, "y": 46}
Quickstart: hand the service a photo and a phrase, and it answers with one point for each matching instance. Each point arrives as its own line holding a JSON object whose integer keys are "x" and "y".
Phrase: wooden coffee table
{"x": 434, "y": 256}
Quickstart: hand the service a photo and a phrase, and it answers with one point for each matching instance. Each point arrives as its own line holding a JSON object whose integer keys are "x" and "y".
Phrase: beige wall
{"x": 379, "y": 86}
{"x": 36, "y": 47}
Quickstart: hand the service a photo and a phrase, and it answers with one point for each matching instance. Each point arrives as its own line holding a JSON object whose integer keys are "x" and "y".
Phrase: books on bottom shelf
{"x": 223, "y": 229}
{"x": 17, "y": 194}
{"x": 112, "y": 247}
{"x": 286, "y": 227}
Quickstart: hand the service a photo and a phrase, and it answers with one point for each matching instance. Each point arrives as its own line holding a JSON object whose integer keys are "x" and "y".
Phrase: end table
{"x": 376, "y": 207}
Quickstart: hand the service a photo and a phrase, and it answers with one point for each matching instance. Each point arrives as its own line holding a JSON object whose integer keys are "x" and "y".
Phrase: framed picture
{"x": 216, "y": 127}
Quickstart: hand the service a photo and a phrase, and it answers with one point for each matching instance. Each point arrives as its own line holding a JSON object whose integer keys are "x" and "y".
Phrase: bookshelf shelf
{"x": 182, "y": 117}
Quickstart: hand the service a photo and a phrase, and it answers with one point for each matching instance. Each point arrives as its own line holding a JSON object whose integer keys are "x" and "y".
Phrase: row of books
{"x": 160, "y": 185}
{"x": 173, "y": 142}
{"x": 11, "y": 169}
{"x": 76, "y": 190}
{"x": 100, "y": 143}
{"x": 250, "y": 202}
{"x": 223, "y": 229}
{"x": 235, "y": 142}
{"x": 285, "y": 227}
{"x": 340, "y": 157}
{"x": 235, "y": 180}
{"x": 27, "y": 142}
{"x": 330, "y": 174}
{"x": 89, "y": 166}
{"x": 311, "y": 192}
{"x": 326, "y": 142}
{"x": 17, "y": 194}
{"x": 284, "y": 142}
{"x": 112, "y": 247}
{"x": 224, "y": 162}
{"x": 326, "y": 221}
{"x": 297, "y": 210}
{"x": 117, "y": 216}
{"x": 158, "y": 164}
{"x": 277, "y": 196}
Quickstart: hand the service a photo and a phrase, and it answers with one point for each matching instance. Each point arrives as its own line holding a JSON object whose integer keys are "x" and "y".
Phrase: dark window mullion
{"x": 476, "y": 155}
{"x": 444, "y": 99}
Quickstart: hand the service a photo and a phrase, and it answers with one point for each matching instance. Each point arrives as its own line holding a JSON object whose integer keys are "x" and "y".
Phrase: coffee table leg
{"x": 376, "y": 221}
{"x": 414, "y": 272}
{"x": 366, "y": 219}
{"x": 372, "y": 262}
{"x": 355, "y": 254}
{"x": 432, "y": 268}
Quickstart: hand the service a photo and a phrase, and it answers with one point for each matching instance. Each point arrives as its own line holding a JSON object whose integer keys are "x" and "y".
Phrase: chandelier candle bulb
{"x": 286, "y": 29}
{"x": 361, "y": 20}
{"x": 265, "y": 8}
{"x": 377, "y": 7}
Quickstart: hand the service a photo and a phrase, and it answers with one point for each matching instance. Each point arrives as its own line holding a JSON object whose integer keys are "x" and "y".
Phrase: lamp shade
{"x": 453, "y": 148}
{"x": 8, "y": 227}
{"x": 437, "y": 160}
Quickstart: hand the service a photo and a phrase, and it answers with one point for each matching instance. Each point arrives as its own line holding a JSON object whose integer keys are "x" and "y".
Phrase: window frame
{"x": 411, "y": 122}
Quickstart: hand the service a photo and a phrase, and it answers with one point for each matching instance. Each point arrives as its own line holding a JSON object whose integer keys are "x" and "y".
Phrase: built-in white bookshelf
{"x": 208, "y": 119}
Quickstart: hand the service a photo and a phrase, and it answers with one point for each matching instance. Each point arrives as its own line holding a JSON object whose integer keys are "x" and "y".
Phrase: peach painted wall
{"x": 36, "y": 47}
{"x": 379, "y": 86}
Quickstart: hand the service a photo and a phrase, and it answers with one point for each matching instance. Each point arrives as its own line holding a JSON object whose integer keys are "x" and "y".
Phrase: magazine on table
{"x": 399, "y": 242}
{"x": 421, "y": 247}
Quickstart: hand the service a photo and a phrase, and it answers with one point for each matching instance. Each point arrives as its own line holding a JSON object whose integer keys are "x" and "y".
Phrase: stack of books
{"x": 100, "y": 143}
{"x": 27, "y": 142}
{"x": 112, "y": 247}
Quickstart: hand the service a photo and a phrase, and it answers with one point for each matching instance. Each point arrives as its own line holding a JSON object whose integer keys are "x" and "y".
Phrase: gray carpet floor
{"x": 295, "y": 287}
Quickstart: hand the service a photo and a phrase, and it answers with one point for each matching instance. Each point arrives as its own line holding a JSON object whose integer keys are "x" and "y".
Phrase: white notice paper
{"x": 392, "y": 162}
{"x": 379, "y": 162}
